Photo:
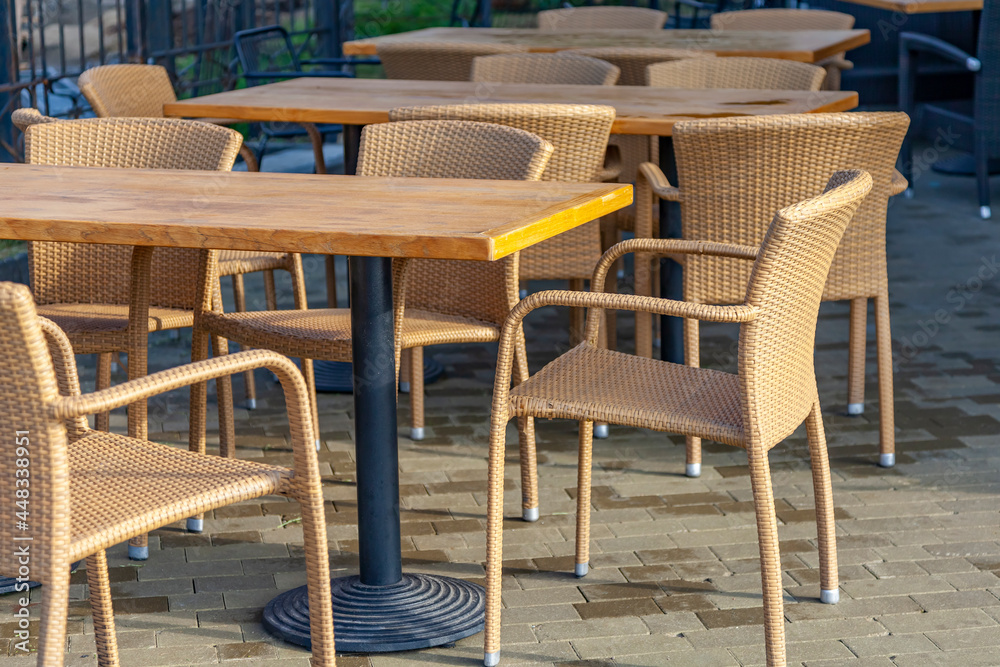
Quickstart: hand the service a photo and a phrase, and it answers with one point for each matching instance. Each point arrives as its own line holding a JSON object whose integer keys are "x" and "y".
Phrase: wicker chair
{"x": 755, "y": 73}
{"x": 91, "y": 490}
{"x": 443, "y": 61}
{"x": 793, "y": 19}
{"x": 544, "y": 68}
{"x": 140, "y": 91}
{"x": 602, "y": 18}
{"x": 725, "y": 197}
{"x": 772, "y": 393}
{"x": 436, "y": 302}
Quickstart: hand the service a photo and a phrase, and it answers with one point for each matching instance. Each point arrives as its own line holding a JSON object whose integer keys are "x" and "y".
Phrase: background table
{"x": 921, "y": 6}
{"x": 803, "y": 45}
{"x": 372, "y": 220}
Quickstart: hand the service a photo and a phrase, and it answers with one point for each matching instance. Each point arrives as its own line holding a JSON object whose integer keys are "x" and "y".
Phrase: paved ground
{"x": 676, "y": 576}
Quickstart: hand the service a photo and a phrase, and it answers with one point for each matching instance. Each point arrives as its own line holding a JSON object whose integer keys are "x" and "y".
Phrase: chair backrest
{"x": 776, "y": 373}
{"x": 439, "y": 61}
{"x": 597, "y": 18}
{"x": 36, "y": 447}
{"x": 734, "y": 173}
{"x": 782, "y": 19}
{"x": 633, "y": 62}
{"x": 547, "y": 68}
{"x": 456, "y": 149}
{"x": 987, "y": 97}
{"x": 747, "y": 73}
{"x": 262, "y": 50}
{"x": 97, "y": 273}
{"x": 137, "y": 91}
{"x": 25, "y": 118}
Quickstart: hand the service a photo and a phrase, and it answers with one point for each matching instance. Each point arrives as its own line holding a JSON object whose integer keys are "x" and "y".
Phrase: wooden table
{"x": 372, "y": 220}
{"x": 921, "y": 6}
{"x": 806, "y": 46}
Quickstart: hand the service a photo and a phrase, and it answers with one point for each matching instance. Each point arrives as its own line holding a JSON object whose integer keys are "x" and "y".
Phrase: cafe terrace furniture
{"x": 437, "y": 61}
{"x": 725, "y": 197}
{"x": 809, "y": 46}
{"x": 544, "y": 68}
{"x": 602, "y": 18}
{"x": 371, "y": 220}
{"x": 975, "y": 122}
{"x": 435, "y": 301}
{"x": 89, "y": 490}
{"x": 793, "y": 19}
{"x": 141, "y": 91}
{"x": 765, "y": 401}
{"x": 922, "y": 6}
{"x": 745, "y": 73}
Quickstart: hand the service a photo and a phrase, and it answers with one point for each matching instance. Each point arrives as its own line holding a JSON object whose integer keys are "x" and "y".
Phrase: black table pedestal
{"x": 382, "y": 609}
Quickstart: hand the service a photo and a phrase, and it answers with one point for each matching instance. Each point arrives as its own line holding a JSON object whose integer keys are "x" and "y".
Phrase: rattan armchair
{"x": 90, "y": 490}
{"x": 793, "y": 19}
{"x": 544, "y": 68}
{"x": 436, "y": 302}
{"x": 441, "y": 61}
{"x": 140, "y": 91}
{"x": 748, "y": 73}
{"x": 725, "y": 197}
{"x": 772, "y": 393}
{"x": 602, "y": 18}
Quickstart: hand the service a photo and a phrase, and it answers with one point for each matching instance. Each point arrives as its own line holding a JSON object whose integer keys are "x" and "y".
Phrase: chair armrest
{"x": 838, "y": 62}
{"x": 64, "y": 364}
{"x": 658, "y": 182}
{"x": 899, "y": 183}
{"x": 915, "y": 41}
{"x": 612, "y": 167}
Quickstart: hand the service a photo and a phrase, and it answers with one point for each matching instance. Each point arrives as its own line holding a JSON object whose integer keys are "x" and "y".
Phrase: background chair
{"x": 978, "y": 117}
{"x": 793, "y": 19}
{"x": 443, "y": 61}
{"x": 91, "y": 490}
{"x": 772, "y": 393}
{"x": 602, "y": 18}
{"x": 725, "y": 197}
{"x": 754, "y": 73}
{"x": 544, "y": 68}
{"x": 140, "y": 91}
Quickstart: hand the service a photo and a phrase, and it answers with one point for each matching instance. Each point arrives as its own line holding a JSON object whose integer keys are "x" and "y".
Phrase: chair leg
{"x": 55, "y": 609}
{"x": 826, "y": 528}
{"x": 577, "y": 316}
{"x": 310, "y": 377}
{"x": 583, "y": 471}
{"x": 404, "y": 371}
{"x": 224, "y": 396}
{"x": 526, "y": 442}
{"x": 692, "y": 355}
{"x": 270, "y": 291}
{"x": 770, "y": 557}
{"x": 887, "y": 410}
{"x": 417, "y": 393}
{"x": 318, "y": 580}
{"x": 983, "y": 180}
{"x": 609, "y": 236}
{"x": 494, "y": 540}
{"x": 317, "y": 143}
{"x": 102, "y": 420}
{"x": 240, "y": 298}
{"x": 101, "y": 610}
{"x": 857, "y": 343}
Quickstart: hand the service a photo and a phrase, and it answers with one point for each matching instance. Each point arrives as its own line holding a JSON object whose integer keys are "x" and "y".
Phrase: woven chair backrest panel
{"x": 33, "y": 448}
{"x": 734, "y": 173}
{"x": 782, "y": 19}
{"x": 987, "y": 102}
{"x": 746, "y": 73}
{"x": 776, "y": 370}
{"x": 598, "y": 18}
{"x": 633, "y": 62}
{"x": 138, "y": 91}
{"x": 550, "y": 68}
{"x": 441, "y": 61}
{"x": 97, "y": 273}
{"x": 484, "y": 291}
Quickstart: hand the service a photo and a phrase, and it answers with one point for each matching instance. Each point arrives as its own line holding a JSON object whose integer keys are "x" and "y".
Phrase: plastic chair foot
{"x": 530, "y": 514}
{"x": 581, "y": 569}
{"x": 138, "y": 553}
{"x": 251, "y": 404}
{"x": 491, "y": 659}
{"x": 318, "y": 443}
{"x": 521, "y": 294}
{"x": 601, "y": 431}
{"x": 195, "y": 525}
{"x": 887, "y": 460}
{"x": 417, "y": 433}
{"x": 829, "y": 597}
{"x": 404, "y": 387}
{"x": 908, "y": 193}
{"x": 693, "y": 470}
{"x": 855, "y": 408}
{"x": 985, "y": 212}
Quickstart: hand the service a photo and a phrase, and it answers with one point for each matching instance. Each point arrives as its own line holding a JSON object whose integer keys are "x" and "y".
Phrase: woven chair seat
{"x": 233, "y": 262}
{"x": 91, "y": 318}
{"x": 596, "y": 384}
{"x": 122, "y": 485}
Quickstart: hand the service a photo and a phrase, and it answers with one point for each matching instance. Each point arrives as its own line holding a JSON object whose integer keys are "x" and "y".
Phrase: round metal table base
{"x": 337, "y": 376}
{"x": 419, "y": 611}
{"x": 962, "y": 165}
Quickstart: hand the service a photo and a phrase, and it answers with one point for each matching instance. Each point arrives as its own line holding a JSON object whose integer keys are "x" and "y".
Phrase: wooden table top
{"x": 921, "y": 6}
{"x": 344, "y": 215}
{"x": 640, "y": 109}
{"x": 803, "y": 45}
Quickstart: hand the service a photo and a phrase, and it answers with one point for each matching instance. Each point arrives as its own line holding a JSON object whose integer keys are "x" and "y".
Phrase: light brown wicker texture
{"x": 90, "y": 490}
{"x": 732, "y": 171}
{"x": 436, "y": 301}
{"x": 772, "y": 393}
{"x": 746, "y": 73}
{"x": 793, "y": 19}
{"x": 443, "y": 61}
{"x": 610, "y": 18}
{"x": 141, "y": 91}
{"x": 544, "y": 68}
